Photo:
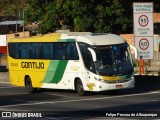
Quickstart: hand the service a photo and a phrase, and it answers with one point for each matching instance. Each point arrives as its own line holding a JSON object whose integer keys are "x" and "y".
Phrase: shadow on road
{"x": 139, "y": 110}
{"x": 143, "y": 84}
{"x": 147, "y": 83}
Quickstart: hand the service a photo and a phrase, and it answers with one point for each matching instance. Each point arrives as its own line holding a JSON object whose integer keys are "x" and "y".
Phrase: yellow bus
{"x": 73, "y": 61}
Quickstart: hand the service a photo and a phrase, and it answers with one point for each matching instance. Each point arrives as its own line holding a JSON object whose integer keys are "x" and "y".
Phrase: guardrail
{"x": 148, "y": 71}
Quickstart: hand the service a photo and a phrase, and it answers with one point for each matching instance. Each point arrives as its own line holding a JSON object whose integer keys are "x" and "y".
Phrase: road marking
{"x": 154, "y": 100}
{"x": 7, "y": 87}
{"x": 79, "y": 100}
{"x": 9, "y": 109}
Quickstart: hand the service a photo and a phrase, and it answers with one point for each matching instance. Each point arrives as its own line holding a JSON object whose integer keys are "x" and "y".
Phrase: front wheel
{"x": 28, "y": 85}
{"x": 79, "y": 88}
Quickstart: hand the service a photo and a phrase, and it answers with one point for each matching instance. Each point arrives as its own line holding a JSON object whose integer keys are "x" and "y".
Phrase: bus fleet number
{"x": 14, "y": 64}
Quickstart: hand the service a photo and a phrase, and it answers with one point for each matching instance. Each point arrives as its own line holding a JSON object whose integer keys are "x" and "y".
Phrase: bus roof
{"x": 86, "y": 37}
{"x": 96, "y": 39}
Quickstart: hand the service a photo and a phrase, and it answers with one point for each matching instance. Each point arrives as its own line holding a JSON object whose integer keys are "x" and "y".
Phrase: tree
{"x": 113, "y": 16}
{"x": 12, "y": 7}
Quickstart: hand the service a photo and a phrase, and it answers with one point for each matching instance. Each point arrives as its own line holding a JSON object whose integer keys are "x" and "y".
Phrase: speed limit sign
{"x": 143, "y": 20}
{"x": 143, "y": 29}
{"x": 143, "y": 44}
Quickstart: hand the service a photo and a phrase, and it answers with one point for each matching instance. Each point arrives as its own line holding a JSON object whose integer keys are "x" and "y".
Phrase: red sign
{"x": 143, "y": 20}
{"x": 143, "y": 44}
{"x": 3, "y": 49}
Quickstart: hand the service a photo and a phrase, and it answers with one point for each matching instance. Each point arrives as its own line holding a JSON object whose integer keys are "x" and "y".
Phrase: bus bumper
{"x": 103, "y": 86}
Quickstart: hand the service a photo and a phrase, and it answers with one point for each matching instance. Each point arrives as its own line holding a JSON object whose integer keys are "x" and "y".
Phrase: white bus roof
{"x": 95, "y": 39}
{"x": 86, "y": 37}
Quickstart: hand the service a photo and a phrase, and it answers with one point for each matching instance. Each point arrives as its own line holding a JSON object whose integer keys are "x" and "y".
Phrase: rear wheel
{"x": 79, "y": 88}
{"x": 28, "y": 85}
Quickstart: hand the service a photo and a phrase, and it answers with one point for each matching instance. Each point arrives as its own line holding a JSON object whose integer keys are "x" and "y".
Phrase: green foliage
{"x": 12, "y": 7}
{"x": 114, "y": 16}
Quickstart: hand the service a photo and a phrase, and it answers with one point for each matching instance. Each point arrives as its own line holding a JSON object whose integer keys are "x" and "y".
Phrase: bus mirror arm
{"x": 93, "y": 54}
{"x": 135, "y": 51}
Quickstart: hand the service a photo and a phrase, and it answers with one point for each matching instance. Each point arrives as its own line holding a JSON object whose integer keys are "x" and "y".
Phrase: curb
{"x": 4, "y": 78}
{"x": 4, "y": 81}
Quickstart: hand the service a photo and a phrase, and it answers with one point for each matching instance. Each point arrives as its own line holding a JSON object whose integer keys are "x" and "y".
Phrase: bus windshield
{"x": 113, "y": 60}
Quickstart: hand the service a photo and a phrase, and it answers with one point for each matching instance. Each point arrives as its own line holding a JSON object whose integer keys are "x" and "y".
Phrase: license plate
{"x": 119, "y": 86}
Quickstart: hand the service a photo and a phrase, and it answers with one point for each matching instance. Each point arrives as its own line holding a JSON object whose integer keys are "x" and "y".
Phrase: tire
{"x": 28, "y": 86}
{"x": 79, "y": 88}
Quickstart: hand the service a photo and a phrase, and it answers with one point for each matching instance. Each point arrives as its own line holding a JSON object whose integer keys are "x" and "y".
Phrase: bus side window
{"x": 75, "y": 52}
{"x": 25, "y": 52}
{"x": 69, "y": 52}
{"x": 38, "y": 50}
{"x": 32, "y": 50}
{"x": 47, "y": 50}
{"x": 35, "y": 50}
{"x": 12, "y": 49}
{"x": 17, "y": 49}
{"x": 83, "y": 48}
{"x": 60, "y": 51}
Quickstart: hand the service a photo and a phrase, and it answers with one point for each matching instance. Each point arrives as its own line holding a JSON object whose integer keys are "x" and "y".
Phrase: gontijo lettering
{"x": 33, "y": 65}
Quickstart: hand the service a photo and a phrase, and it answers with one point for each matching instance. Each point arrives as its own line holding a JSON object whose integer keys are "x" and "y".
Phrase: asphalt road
{"x": 15, "y": 103}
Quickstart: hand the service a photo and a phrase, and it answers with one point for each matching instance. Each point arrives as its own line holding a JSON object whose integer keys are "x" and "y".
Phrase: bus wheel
{"x": 28, "y": 85}
{"x": 79, "y": 88}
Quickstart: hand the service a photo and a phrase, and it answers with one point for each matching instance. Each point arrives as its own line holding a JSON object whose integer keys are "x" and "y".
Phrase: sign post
{"x": 143, "y": 29}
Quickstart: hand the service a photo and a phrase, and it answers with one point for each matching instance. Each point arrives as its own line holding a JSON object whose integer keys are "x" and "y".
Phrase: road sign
{"x": 144, "y": 46}
{"x": 143, "y": 24}
{"x": 143, "y": 29}
{"x": 143, "y": 20}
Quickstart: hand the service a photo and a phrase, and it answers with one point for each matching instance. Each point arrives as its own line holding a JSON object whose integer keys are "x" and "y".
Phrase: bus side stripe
{"x": 51, "y": 71}
{"x": 60, "y": 71}
{"x": 55, "y": 71}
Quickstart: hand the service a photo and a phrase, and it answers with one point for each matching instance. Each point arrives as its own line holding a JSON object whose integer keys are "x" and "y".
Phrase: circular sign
{"x": 143, "y": 20}
{"x": 143, "y": 43}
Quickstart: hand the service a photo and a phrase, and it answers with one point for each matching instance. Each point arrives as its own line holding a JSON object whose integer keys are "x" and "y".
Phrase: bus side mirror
{"x": 135, "y": 51}
{"x": 93, "y": 54}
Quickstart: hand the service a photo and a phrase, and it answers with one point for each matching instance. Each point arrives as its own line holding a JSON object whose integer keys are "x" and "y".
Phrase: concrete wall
{"x": 21, "y": 34}
{"x": 156, "y": 17}
{"x": 3, "y": 60}
{"x": 4, "y": 77}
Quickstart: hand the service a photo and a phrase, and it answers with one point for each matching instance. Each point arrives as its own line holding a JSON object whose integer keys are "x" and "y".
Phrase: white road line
{"x": 154, "y": 100}
{"x": 79, "y": 100}
{"x": 7, "y": 87}
{"x": 10, "y": 110}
